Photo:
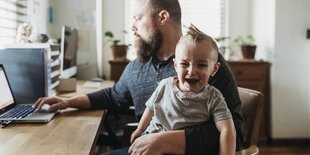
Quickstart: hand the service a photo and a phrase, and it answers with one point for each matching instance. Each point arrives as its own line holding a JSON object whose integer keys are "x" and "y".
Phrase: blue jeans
{"x": 120, "y": 151}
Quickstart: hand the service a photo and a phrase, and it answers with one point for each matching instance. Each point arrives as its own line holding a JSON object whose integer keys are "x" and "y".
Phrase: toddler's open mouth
{"x": 191, "y": 81}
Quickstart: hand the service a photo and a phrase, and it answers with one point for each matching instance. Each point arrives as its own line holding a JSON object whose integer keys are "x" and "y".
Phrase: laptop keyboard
{"x": 19, "y": 111}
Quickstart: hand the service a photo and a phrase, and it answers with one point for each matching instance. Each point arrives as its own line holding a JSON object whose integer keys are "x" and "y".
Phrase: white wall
{"x": 113, "y": 20}
{"x": 240, "y": 14}
{"x": 80, "y": 14}
{"x": 257, "y": 18}
{"x": 37, "y": 15}
{"x": 279, "y": 27}
{"x": 291, "y": 80}
{"x": 263, "y": 28}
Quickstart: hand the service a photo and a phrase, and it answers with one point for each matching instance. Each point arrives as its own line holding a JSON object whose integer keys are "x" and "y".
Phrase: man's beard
{"x": 146, "y": 49}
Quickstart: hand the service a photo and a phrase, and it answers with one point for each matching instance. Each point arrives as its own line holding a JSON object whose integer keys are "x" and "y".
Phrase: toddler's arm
{"x": 227, "y": 136}
{"x": 144, "y": 122}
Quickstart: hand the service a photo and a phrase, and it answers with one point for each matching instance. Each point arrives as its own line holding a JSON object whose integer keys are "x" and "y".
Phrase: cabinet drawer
{"x": 248, "y": 72}
{"x": 252, "y": 84}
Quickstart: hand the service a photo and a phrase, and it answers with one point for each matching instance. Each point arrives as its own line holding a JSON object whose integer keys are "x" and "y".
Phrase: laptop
{"x": 10, "y": 111}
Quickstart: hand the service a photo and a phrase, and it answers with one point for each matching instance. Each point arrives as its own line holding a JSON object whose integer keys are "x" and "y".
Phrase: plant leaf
{"x": 109, "y": 34}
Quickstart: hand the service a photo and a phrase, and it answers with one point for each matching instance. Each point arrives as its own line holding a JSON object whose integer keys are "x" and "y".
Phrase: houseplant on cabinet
{"x": 223, "y": 44}
{"x": 119, "y": 50}
{"x": 248, "y": 46}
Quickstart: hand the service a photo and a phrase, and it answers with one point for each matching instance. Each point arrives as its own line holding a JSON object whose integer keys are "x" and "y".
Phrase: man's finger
{"x": 130, "y": 150}
{"x": 40, "y": 103}
{"x": 46, "y": 100}
{"x": 36, "y": 104}
{"x": 56, "y": 106}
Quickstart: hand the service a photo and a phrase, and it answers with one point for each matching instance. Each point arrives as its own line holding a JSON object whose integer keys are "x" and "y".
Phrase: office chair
{"x": 252, "y": 109}
{"x": 112, "y": 134}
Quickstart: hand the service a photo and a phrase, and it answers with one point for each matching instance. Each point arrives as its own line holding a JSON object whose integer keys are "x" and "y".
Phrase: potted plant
{"x": 247, "y": 45}
{"x": 222, "y": 41}
{"x": 119, "y": 50}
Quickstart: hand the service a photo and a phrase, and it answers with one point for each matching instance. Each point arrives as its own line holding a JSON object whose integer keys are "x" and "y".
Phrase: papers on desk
{"x": 91, "y": 84}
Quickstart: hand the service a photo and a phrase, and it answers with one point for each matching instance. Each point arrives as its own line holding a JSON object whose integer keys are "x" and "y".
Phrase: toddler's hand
{"x": 137, "y": 133}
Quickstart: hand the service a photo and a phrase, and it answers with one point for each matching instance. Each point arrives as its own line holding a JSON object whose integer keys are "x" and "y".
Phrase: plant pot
{"x": 248, "y": 51}
{"x": 119, "y": 52}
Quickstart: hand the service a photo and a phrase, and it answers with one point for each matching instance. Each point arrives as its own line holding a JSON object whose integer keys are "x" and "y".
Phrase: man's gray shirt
{"x": 135, "y": 86}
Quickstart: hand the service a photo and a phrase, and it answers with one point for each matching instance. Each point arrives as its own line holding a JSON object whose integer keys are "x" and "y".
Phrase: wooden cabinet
{"x": 117, "y": 68}
{"x": 256, "y": 75}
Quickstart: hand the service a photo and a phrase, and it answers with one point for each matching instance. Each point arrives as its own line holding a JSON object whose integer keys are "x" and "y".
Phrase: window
{"x": 210, "y": 16}
{"x": 12, "y": 14}
{"x": 206, "y": 15}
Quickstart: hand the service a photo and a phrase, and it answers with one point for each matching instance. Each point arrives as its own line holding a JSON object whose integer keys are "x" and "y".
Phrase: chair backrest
{"x": 252, "y": 109}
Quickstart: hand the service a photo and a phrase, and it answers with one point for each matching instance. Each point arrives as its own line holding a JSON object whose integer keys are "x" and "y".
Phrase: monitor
{"x": 27, "y": 72}
{"x": 68, "y": 48}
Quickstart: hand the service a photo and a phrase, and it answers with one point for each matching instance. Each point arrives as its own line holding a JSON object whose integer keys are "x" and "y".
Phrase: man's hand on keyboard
{"x": 55, "y": 103}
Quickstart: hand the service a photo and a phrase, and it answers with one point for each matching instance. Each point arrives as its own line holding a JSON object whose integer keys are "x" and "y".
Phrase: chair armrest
{"x": 128, "y": 130}
{"x": 252, "y": 150}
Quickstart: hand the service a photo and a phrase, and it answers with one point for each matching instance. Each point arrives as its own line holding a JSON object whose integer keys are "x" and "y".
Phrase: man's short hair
{"x": 172, "y": 6}
{"x": 196, "y": 36}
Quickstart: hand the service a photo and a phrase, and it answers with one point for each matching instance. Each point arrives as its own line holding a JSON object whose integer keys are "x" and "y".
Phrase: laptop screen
{"x": 6, "y": 97}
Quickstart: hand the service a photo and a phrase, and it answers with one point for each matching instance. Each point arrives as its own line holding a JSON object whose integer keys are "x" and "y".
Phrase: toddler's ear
{"x": 174, "y": 63}
{"x": 215, "y": 68}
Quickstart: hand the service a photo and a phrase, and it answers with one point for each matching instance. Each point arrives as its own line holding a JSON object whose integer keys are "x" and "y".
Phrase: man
{"x": 157, "y": 28}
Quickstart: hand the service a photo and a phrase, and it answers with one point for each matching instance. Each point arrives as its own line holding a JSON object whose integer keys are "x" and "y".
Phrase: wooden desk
{"x": 82, "y": 90}
{"x": 71, "y": 132}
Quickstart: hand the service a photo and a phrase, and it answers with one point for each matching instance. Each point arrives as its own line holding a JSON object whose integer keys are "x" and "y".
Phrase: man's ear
{"x": 163, "y": 17}
{"x": 215, "y": 68}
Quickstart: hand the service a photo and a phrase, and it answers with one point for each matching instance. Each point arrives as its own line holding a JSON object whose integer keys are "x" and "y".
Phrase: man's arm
{"x": 80, "y": 102}
{"x": 108, "y": 98}
{"x": 206, "y": 136}
{"x": 115, "y": 97}
{"x": 170, "y": 142}
{"x": 202, "y": 139}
